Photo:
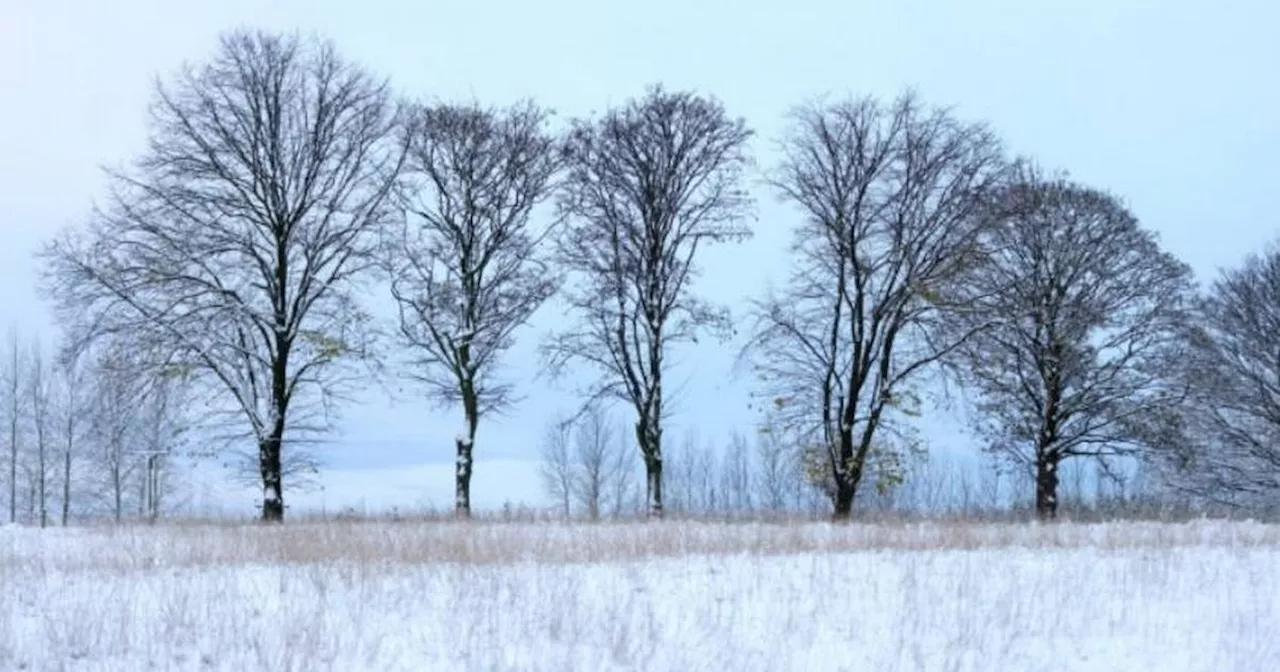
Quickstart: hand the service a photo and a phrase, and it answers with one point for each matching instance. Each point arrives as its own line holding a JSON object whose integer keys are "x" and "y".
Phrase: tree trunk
{"x": 117, "y": 488}
{"x": 1047, "y": 486}
{"x": 847, "y": 472}
{"x": 13, "y": 470}
{"x": 653, "y": 485}
{"x": 1047, "y": 449}
{"x": 42, "y": 484}
{"x": 594, "y": 488}
{"x": 144, "y": 511}
{"x": 651, "y": 448}
{"x": 466, "y": 442}
{"x": 31, "y": 496}
{"x": 843, "y": 500}
{"x": 66, "y": 484}
{"x": 153, "y": 487}
{"x": 462, "y": 499}
{"x": 142, "y": 495}
{"x": 269, "y": 464}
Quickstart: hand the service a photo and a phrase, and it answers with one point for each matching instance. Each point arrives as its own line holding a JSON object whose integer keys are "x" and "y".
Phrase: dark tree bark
{"x": 1047, "y": 485}
{"x": 1082, "y": 315}
{"x": 232, "y": 249}
{"x": 66, "y": 478}
{"x": 648, "y": 184}
{"x": 890, "y": 197}
{"x": 467, "y": 266}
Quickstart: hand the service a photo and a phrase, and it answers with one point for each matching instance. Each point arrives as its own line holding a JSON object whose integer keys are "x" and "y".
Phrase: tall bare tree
{"x": 71, "y": 410}
{"x": 234, "y": 248}
{"x": 600, "y": 474}
{"x": 40, "y": 390}
{"x": 648, "y": 185}
{"x": 691, "y": 476}
{"x": 585, "y": 465}
{"x": 467, "y": 266}
{"x": 556, "y": 467}
{"x": 736, "y": 469}
{"x": 621, "y": 494}
{"x": 120, "y": 391}
{"x": 162, "y": 430}
{"x": 132, "y": 423}
{"x": 1082, "y": 312}
{"x": 15, "y": 369}
{"x": 1229, "y": 429}
{"x": 777, "y": 470}
{"x": 889, "y": 196}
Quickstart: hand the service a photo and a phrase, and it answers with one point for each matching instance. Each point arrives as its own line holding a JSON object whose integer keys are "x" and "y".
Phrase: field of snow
{"x": 421, "y": 595}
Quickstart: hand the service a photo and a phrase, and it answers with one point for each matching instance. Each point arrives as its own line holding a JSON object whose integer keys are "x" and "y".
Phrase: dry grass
{"x": 416, "y": 542}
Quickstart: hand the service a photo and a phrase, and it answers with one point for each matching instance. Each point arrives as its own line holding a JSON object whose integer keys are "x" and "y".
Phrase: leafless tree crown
{"x": 1231, "y": 422}
{"x": 1082, "y": 314}
{"x": 647, "y": 185}
{"x": 888, "y": 197}
{"x": 234, "y": 247}
{"x": 467, "y": 266}
{"x": 469, "y": 269}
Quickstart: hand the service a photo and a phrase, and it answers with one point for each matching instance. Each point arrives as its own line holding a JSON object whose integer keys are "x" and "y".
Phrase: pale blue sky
{"x": 1172, "y": 105}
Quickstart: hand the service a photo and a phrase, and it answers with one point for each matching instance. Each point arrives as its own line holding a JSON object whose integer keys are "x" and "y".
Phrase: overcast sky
{"x": 1172, "y": 105}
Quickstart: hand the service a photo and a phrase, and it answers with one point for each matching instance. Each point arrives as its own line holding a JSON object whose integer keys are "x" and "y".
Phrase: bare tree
{"x": 118, "y": 395}
{"x": 161, "y": 430}
{"x": 467, "y": 266}
{"x": 1229, "y": 429}
{"x": 1081, "y": 313}
{"x": 776, "y": 470}
{"x": 622, "y": 496}
{"x": 584, "y": 464}
{"x": 600, "y": 464}
{"x": 71, "y": 410}
{"x": 40, "y": 391}
{"x": 132, "y": 423}
{"x": 735, "y": 475}
{"x": 679, "y": 475}
{"x": 694, "y": 477}
{"x": 234, "y": 249}
{"x": 14, "y": 370}
{"x": 648, "y": 185}
{"x": 556, "y": 467}
{"x": 889, "y": 196}
{"x": 591, "y": 444}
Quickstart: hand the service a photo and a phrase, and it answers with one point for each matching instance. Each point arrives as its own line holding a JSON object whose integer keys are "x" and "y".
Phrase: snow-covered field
{"x": 674, "y": 596}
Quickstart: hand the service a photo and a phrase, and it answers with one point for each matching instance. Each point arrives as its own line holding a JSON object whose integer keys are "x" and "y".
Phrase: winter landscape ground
{"x": 431, "y": 595}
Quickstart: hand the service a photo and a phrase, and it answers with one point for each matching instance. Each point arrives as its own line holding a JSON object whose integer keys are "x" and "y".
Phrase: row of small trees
{"x": 280, "y": 181}
{"x": 86, "y": 436}
{"x": 588, "y": 471}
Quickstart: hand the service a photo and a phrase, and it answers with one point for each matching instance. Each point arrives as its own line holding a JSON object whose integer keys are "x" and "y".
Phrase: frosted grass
{"x": 675, "y": 596}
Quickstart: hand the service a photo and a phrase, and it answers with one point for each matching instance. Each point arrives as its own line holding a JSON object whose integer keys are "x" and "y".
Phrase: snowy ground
{"x": 676, "y": 596}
